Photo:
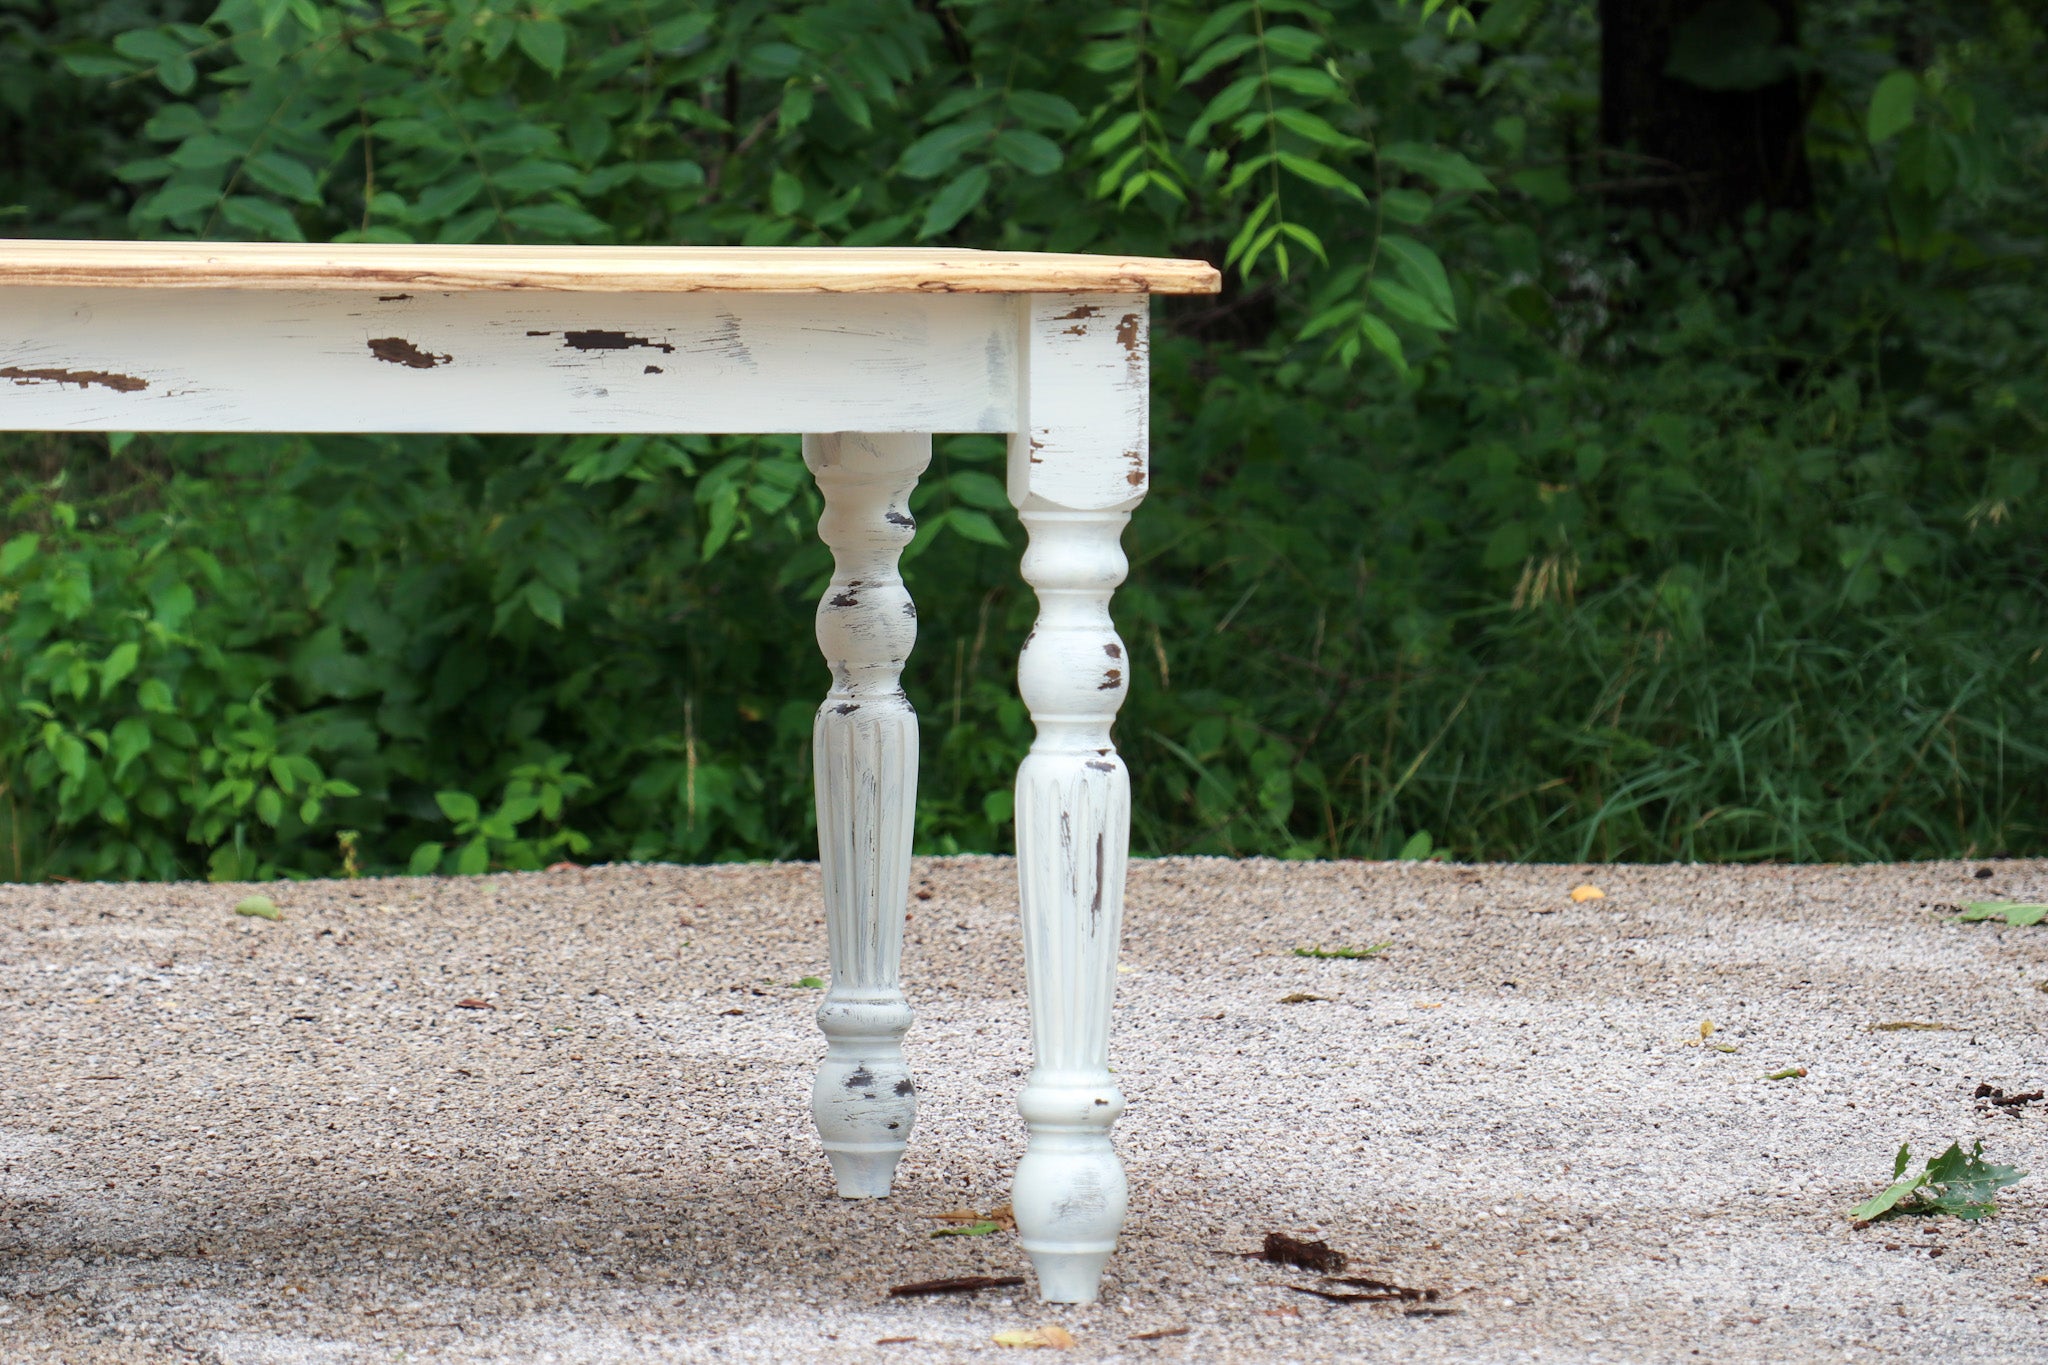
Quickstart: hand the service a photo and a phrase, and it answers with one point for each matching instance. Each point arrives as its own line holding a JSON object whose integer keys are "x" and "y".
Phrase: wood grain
{"x": 584, "y": 269}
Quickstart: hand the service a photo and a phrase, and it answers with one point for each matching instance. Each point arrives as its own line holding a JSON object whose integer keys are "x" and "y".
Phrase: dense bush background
{"x": 1500, "y": 507}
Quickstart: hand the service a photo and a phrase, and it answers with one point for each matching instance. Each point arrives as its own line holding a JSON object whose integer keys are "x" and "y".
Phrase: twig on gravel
{"x": 1159, "y": 1335}
{"x": 959, "y": 1284}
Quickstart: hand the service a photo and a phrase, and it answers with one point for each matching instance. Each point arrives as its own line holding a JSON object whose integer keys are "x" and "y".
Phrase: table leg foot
{"x": 865, "y": 761}
{"x": 864, "y": 1099}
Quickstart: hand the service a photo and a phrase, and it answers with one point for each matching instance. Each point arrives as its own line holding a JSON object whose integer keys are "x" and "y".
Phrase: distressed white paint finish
{"x": 1084, "y": 407}
{"x": 545, "y": 343}
{"x": 865, "y": 748}
{"x": 255, "y": 360}
{"x": 1076, "y": 471}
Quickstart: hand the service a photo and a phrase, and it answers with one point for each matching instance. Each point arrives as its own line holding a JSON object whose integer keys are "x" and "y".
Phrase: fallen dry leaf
{"x": 1002, "y": 1216}
{"x": 1423, "y": 1006}
{"x": 1165, "y": 1332}
{"x": 1321, "y": 1257}
{"x": 565, "y": 866}
{"x": 959, "y": 1284}
{"x": 1056, "y": 1337}
{"x": 893, "y": 1341}
{"x": 474, "y": 1004}
{"x": 1586, "y": 891}
{"x": 1301, "y": 998}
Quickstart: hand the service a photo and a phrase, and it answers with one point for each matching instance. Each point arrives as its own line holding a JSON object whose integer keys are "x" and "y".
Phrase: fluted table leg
{"x": 865, "y": 748}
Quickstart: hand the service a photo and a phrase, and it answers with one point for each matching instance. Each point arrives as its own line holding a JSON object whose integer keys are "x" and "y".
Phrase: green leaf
{"x": 981, "y": 1229}
{"x": 1385, "y": 340}
{"x": 262, "y": 217}
{"x": 1883, "y": 1203}
{"x": 17, "y": 552}
{"x": 1228, "y": 49}
{"x": 1403, "y": 302}
{"x": 258, "y": 907}
{"x": 1110, "y": 138}
{"x": 954, "y": 202}
{"x": 1956, "y": 1182}
{"x": 977, "y": 488}
{"x": 785, "y": 193}
{"x": 460, "y": 807}
{"x": 1406, "y": 206}
{"x": 155, "y": 695}
{"x": 120, "y": 662}
{"x": 546, "y": 41}
{"x": 1422, "y": 270}
{"x": 1316, "y": 173}
{"x": 975, "y": 526}
{"x": 1419, "y": 845}
{"x": 1507, "y": 546}
{"x": 937, "y": 151}
{"x": 1298, "y": 233}
{"x": 1041, "y": 110}
{"x": 2018, "y": 915}
{"x": 425, "y": 859}
{"x": 1317, "y": 130}
{"x": 173, "y": 201}
{"x": 281, "y": 174}
{"x": 474, "y": 859}
{"x": 1445, "y": 168}
{"x": 1032, "y": 153}
{"x": 130, "y": 739}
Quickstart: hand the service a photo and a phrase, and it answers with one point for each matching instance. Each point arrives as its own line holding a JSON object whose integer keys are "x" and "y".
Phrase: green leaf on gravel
{"x": 981, "y": 1229}
{"x": 258, "y": 907}
{"x": 2017, "y": 915}
{"x": 1956, "y": 1182}
{"x": 812, "y": 983}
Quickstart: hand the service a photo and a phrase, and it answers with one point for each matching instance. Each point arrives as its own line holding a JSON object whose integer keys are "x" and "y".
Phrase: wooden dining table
{"x": 867, "y": 354}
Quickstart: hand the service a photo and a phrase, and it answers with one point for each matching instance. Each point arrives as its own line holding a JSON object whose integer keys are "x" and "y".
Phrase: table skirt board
{"x": 870, "y": 377}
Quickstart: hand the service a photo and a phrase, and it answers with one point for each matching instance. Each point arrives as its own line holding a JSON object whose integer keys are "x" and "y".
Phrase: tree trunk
{"x": 1701, "y": 115}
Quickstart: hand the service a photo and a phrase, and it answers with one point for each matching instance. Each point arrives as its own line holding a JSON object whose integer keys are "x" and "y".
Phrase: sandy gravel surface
{"x": 224, "y": 1139}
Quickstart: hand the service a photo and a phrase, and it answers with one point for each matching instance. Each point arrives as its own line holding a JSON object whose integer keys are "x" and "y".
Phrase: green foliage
{"x": 1479, "y": 510}
{"x": 1956, "y": 1182}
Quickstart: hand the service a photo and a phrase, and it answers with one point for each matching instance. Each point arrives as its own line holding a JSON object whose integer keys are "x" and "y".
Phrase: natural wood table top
{"x": 591, "y": 269}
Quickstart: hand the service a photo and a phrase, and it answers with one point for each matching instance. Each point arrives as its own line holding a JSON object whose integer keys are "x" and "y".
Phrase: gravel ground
{"x": 226, "y": 1139}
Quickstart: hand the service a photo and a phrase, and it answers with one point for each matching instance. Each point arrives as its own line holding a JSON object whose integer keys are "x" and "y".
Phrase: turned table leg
{"x": 1076, "y": 471}
{"x": 865, "y": 748}
{"x": 1073, "y": 836}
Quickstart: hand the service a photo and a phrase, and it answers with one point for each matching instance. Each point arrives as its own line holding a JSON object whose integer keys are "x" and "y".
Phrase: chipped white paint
{"x": 1076, "y": 471}
{"x": 250, "y": 360}
{"x": 1081, "y": 437}
{"x": 865, "y": 756}
{"x": 235, "y": 338}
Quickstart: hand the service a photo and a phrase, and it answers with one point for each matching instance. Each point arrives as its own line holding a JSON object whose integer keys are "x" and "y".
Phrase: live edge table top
{"x": 579, "y": 269}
